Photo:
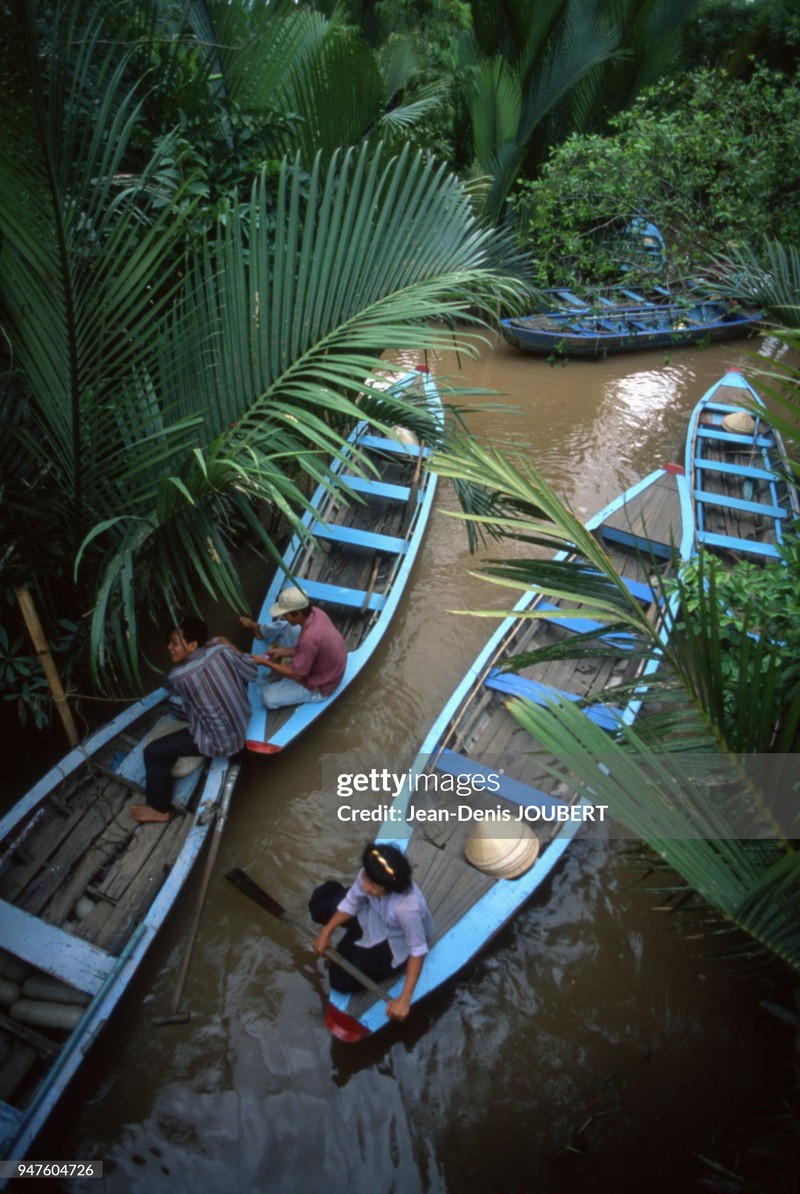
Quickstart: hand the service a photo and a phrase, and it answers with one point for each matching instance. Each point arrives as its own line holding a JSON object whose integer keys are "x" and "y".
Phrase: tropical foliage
{"x": 711, "y": 160}
{"x": 161, "y": 387}
{"x": 679, "y": 778}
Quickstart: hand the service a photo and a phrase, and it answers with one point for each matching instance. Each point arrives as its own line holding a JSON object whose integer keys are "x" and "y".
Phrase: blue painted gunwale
{"x": 455, "y": 949}
{"x": 259, "y": 736}
{"x": 761, "y": 455}
{"x": 58, "y": 953}
{"x": 582, "y": 332}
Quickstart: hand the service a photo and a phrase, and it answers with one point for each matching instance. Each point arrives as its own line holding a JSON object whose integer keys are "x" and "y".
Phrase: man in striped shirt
{"x": 211, "y": 679}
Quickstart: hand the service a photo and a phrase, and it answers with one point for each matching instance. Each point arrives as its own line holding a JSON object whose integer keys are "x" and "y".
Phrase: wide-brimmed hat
{"x": 406, "y": 436}
{"x": 502, "y": 857}
{"x": 740, "y": 422}
{"x": 288, "y": 602}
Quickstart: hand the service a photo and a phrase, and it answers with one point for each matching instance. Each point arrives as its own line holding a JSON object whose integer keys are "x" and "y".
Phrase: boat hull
{"x": 488, "y": 756}
{"x": 84, "y": 890}
{"x": 371, "y": 539}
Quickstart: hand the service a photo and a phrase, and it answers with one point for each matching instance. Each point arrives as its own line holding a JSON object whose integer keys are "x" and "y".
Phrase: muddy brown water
{"x": 591, "y": 1042}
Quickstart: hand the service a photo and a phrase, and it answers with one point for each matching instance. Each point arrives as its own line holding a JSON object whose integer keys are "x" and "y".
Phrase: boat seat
{"x": 354, "y": 537}
{"x": 636, "y": 588}
{"x": 734, "y": 470}
{"x": 384, "y": 444}
{"x": 531, "y": 690}
{"x": 571, "y": 298}
{"x": 398, "y": 493}
{"x": 648, "y": 547}
{"x": 637, "y": 323}
{"x": 729, "y": 437}
{"x": 580, "y": 625}
{"x": 509, "y": 789}
{"x": 735, "y": 503}
{"x": 637, "y": 298}
{"x": 745, "y": 546}
{"x": 49, "y": 948}
{"x": 318, "y": 590}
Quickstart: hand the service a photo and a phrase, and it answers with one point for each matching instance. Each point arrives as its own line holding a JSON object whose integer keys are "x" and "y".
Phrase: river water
{"x": 590, "y": 1042}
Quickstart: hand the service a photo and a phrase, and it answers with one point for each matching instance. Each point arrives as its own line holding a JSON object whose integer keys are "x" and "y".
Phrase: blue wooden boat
{"x": 741, "y": 486}
{"x": 367, "y": 532}
{"x": 83, "y": 891}
{"x": 593, "y": 333}
{"x": 478, "y": 758}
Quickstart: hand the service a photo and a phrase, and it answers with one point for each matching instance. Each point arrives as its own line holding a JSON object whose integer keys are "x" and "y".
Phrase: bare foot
{"x": 249, "y": 624}
{"x": 143, "y": 812}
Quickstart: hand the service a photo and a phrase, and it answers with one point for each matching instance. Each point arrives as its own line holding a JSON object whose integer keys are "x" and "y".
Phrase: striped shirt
{"x": 212, "y": 683}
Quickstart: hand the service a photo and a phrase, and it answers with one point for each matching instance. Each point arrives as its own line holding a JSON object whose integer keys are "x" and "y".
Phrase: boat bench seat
{"x": 734, "y": 470}
{"x": 49, "y": 948}
{"x": 636, "y": 588}
{"x": 354, "y": 537}
{"x": 745, "y": 546}
{"x": 637, "y": 298}
{"x": 384, "y": 444}
{"x": 579, "y": 625}
{"x": 648, "y": 547}
{"x": 317, "y": 590}
{"x": 399, "y": 493}
{"x": 571, "y": 298}
{"x": 730, "y": 437}
{"x": 735, "y": 503}
{"x": 542, "y": 694}
{"x": 513, "y": 790}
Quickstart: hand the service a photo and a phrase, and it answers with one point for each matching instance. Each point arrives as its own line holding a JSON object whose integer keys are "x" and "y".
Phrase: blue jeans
{"x": 280, "y": 693}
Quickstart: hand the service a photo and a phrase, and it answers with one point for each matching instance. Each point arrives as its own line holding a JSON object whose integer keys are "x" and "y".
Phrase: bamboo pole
{"x": 43, "y": 651}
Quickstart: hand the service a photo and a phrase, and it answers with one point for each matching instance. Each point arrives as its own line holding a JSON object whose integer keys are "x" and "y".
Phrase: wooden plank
{"x": 354, "y": 537}
{"x": 382, "y": 444}
{"x": 735, "y": 503}
{"x": 74, "y": 961}
{"x": 340, "y": 594}
{"x": 743, "y": 546}
{"x": 366, "y": 485}
{"x": 729, "y": 437}
{"x": 540, "y": 694}
{"x": 510, "y": 789}
{"x": 734, "y": 470}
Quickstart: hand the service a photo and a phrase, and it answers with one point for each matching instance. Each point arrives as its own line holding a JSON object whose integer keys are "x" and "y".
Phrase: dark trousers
{"x": 375, "y": 962}
{"x": 159, "y": 758}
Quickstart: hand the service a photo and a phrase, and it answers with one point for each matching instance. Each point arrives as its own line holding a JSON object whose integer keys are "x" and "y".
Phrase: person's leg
{"x": 284, "y": 692}
{"x": 160, "y": 756}
{"x": 375, "y": 963}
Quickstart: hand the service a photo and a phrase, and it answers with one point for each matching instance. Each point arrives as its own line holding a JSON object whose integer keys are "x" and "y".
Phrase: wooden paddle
{"x": 249, "y": 887}
{"x": 175, "y": 1015}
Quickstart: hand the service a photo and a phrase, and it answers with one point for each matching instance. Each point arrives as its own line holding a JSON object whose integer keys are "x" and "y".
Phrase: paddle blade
{"x": 344, "y": 1027}
{"x": 250, "y": 888}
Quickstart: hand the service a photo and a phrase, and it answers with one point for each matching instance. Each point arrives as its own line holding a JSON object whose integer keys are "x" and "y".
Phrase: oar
{"x": 249, "y": 887}
{"x": 176, "y": 1016}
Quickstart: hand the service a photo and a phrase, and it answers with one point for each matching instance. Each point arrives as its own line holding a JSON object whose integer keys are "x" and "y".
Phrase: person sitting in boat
{"x": 211, "y": 678}
{"x": 389, "y": 924}
{"x": 308, "y": 667}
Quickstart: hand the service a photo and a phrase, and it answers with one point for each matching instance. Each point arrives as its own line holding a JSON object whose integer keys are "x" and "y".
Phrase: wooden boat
{"x": 736, "y": 466}
{"x": 477, "y": 759}
{"x": 369, "y": 531}
{"x": 84, "y": 889}
{"x": 590, "y": 333}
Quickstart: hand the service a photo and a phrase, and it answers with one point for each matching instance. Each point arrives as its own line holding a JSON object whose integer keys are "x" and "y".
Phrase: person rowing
{"x": 388, "y": 921}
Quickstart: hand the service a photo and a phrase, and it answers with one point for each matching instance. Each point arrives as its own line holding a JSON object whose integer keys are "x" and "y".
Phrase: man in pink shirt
{"x": 311, "y": 669}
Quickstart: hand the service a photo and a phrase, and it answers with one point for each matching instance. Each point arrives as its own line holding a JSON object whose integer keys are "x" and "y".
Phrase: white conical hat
{"x": 504, "y": 857}
{"x": 406, "y": 436}
{"x": 740, "y": 422}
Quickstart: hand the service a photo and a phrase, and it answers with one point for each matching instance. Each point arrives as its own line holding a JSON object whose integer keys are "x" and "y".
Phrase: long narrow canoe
{"x": 84, "y": 889}
{"x": 588, "y": 333}
{"x": 742, "y": 491}
{"x": 477, "y": 759}
{"x": 369, "y": 531}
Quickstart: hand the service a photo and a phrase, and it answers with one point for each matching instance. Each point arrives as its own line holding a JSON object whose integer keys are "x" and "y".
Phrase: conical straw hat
{"x": 503, "y": 857}
{"x": 406, "y": 436}
{"x": 740, "y": 422}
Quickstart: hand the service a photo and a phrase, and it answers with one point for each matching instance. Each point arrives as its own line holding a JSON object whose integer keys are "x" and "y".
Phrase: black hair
{"x": 387, "y": 866}
{"x": 193, "y": 630}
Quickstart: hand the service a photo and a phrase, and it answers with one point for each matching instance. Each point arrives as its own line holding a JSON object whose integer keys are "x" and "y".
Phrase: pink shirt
{"x": 321, "y": 653}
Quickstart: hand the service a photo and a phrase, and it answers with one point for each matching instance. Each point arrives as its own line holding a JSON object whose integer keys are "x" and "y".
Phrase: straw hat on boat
{"x": 406, "y": 436}
{"x": 503, "y": 857}
{"x": 740, "y": 422}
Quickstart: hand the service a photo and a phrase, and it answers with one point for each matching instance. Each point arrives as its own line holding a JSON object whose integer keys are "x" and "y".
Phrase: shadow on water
{"x": 590, "y": 1043}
